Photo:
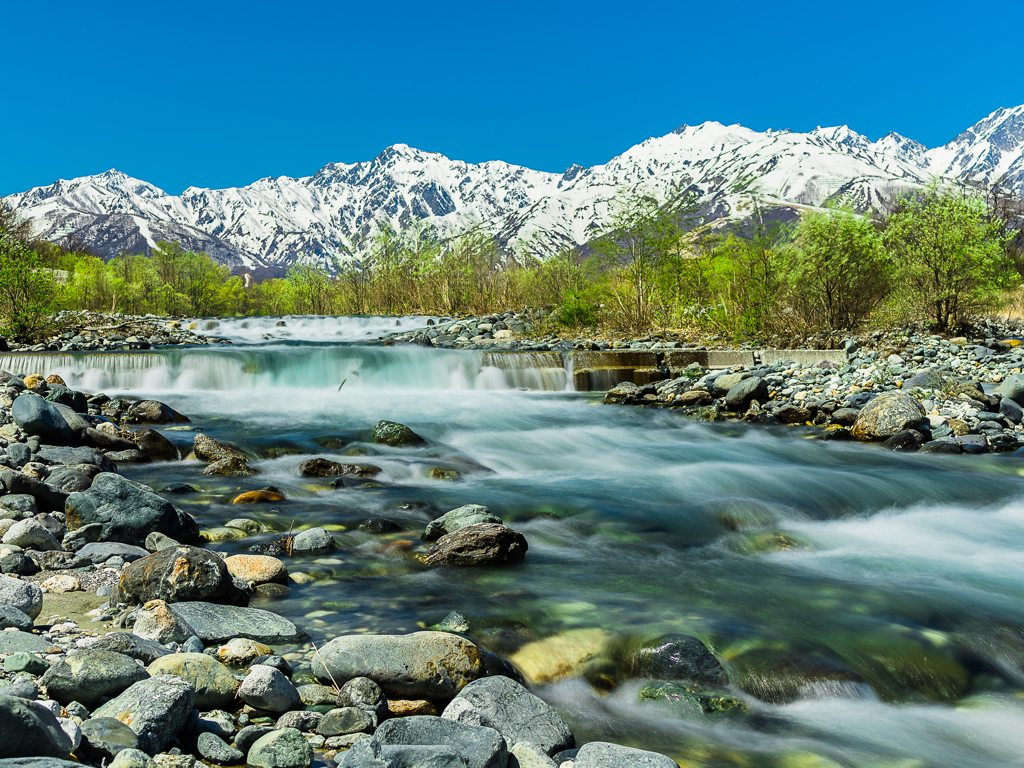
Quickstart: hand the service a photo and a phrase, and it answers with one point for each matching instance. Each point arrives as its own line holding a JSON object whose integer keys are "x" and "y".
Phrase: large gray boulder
{"x": 26, "y": 597}
{"x": 28, "y": 729}
{"x": 72, "y": 456}
{"x": 284, "y": 748}
{"x": 421, "y": 665}
{"x": 1010, "y": 388}
{"x": 741, "y": 394}
{"x": 217, "y": 623}
{"x": 266, "y": 688}
{"x": 479, "y": 746}
{"x": 47, "y": 497}
{"x": 91, "y": 677}
{"x": 887, "y": 414}
{"x": 506, "y": 706}
{"x": 470, "y": 514}
{"x": 601, "y": 754}
{"x": 156, "y": 709}
{"x": 30, "y": 534}
{"x": 100, "y": 551}
{"x": 42, "y": 419}
{"x": 178, "y": 575}
{"x": 213, "y": 683}
{"x": 128, "y": 512}
{"x": 131, "y": 645}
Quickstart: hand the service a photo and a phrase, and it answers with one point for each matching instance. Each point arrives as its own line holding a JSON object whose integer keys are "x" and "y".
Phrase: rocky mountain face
{"x": 327, "y": 217}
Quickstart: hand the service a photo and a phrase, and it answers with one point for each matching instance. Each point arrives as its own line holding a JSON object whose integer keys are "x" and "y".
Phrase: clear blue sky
{"x": 218, "y": 93}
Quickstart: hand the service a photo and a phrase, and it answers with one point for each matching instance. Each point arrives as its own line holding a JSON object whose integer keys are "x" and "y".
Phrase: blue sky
{"x": 217, "y": 94}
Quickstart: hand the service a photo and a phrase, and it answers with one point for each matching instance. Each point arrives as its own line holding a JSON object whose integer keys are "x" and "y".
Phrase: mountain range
{"x": 277, "y": 222}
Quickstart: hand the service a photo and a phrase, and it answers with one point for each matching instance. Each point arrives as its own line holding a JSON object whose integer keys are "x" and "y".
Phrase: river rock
{"x": 514, "y": 712}
{"x": 249, "y": 735}
{"x": 156, "y": 709}
{"x": 327, "y": 468}
{"x": 674, "y": 658}
{"x": 101, "y": 551}
{"x": 179, "y": 575}
{"x": 29, "y": 534}
{"x": 286, "y": 748}
{"x": 364, "y": 694}
{"x": 153, "y": 412}
{"x": 42, "y": 419}
{"x": 470, "y": 514}
{"x": 257, "y": 569}
{"x": 741, "y": 394}
{"x": 213, "y": 683}
{"x": 38, "y": 734}
{"x": 370, "y": 753}
{"x": 69, "y": 480}
{"x": 394, "y": 434}
{"x": 155, "y": 445}
{"x": 430, "y": 665}
{"x": 479, "y": 746}
{"x": 26, "y": 597}
{"x": 129, "y": 512}
{"x": 91, "y": 677}
{"x": 132, "y": 758}
{"x": 1010, "y": 388}
{"x": 214, "y": 749}
{"x": 342, "y": 720}
{"x": 601, "y": 754}
{"x": 528, "y": 756}
{"x": 263, "y": 496}
{"x": 232, "y": 467}
{"x": 68, "y": 456}
{"x": 302, "y": 720}
{"x": 479, "y": 544}
{"x": 47, "y": 498}
{"x": 317, "y": 541}
{"x": 721, "y": 384}
{"x": 887, "y": 414}
{"x": 105, "y": 737}
{"x": 778, "y": 676}
{"x": 266, "y": 688}
{"x": 128, "y": 644}
{"x": 14, "y": 617}
{"x": 209, "y": 450}
{"x": 155, "y": 621}
{"x": 217, "y": 623}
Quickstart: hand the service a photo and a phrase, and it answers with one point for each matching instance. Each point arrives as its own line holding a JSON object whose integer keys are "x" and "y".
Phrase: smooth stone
{"x": 129, "y": 644}
{"x": 25, "y": 662}
{"x": 888, "y": 414}
{"x": 214, "y": 749}
{"x": 528, "y": 756}
{"x": 105, "y": 737}
{"x": 240, "y": 650}
{"x": 479, "y": 544}
{"x": 364, "y": 694}
{"x": 42, "y": 419}
{"x": 213, "y": 683}
{"x": 674, "y": 658}
{"x": 218, "y": 623}
{"x": 464, "y": 516}
{"x": 345, "y": 720}
{"x": 156, "y": 709}
{"x": 132, "y": 758}
{"x": 420, "y": 665}
{"x": 266, "y": 688}
{"x": 155, "y": 445}
{"x": 370, "y": 753}
{"x": 518, "y": 715}
{"x": 26, "y": 597}
{"x": 741, "y": 394}
{"x": 257, "y": 569}
{"x": 101, "y": 551}
{"x": 249, "y": 735}
{"x": 90, "y": 676}
{"x": 156, "y": 621}
{"x": 302, "y": 720}
{"x": 480, "y": 746}
{"x": 286, "y": 748}
{"x": 313, "y": 694}
{"x": 29, "y": 534}
{"x": 13, "y": 641}
{"x": 38, "y": 732}
{"x": 14, "y": 617}
{"x": 600, "y": 754}
{"x": 178, "y": 575}
{"x": 23, "y": 688}
{"x": 317, "y": 541}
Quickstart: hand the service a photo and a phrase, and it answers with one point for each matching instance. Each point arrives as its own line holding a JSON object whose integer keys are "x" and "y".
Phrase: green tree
{"x": 949, "y": 255}
{"x": 839, "y": 270}
{"x": 27, "y": 291}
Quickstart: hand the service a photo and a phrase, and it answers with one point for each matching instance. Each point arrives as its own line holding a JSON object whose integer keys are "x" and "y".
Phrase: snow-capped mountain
{"x": 329, "y": 215}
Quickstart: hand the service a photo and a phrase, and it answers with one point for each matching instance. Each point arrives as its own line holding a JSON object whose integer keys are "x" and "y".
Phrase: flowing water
{"x": 906, "y": 570}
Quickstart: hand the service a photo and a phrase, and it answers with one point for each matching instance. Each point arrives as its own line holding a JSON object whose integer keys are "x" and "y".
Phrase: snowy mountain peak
{"x": 284, "y": 220}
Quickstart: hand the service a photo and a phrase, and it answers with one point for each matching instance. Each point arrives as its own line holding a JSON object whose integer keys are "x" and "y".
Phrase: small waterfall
{"x": 257, "y": 330}
{"x": 531, "y": 370}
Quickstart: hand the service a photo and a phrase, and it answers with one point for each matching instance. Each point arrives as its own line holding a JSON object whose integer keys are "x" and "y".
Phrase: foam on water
{"x": 297, "y": 328}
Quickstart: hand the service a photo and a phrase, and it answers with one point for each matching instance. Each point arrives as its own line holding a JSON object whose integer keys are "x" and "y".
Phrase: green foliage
{"x": 27, "y": 291}
{"x": 839, "y": 271}
{"x": 949, "y": 255}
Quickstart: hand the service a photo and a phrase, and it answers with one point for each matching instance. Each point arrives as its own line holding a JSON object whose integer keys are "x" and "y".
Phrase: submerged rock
{"x": 479, "y": 544}
{"x": 394, "y": 434}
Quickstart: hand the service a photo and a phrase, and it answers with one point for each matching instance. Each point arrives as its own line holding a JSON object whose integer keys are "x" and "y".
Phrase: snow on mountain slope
{"x": 328, "y": 216}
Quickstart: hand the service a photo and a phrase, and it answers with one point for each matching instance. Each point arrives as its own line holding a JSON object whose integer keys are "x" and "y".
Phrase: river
{"x": 780, "y": 552}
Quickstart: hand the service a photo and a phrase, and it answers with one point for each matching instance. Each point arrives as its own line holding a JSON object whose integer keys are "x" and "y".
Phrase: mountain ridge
{"x": 276, "y": 222}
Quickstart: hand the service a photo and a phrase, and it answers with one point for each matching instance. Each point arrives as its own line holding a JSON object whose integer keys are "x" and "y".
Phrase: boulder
{"x": 342, "y": 720}
{"x": 888, "y": 414}
{"x": 47, "y": 498}
{"x": 155, "y": 445}
{"x": 213, "y": 683}
{"x": 1010, "y": 388}
{"x": 266, "y": 688}
{"x": 257, "y": 569}
{"x": 519, "y": 716}
{"x": 179, "y": 575}
{"x": 128, "y": 511}
{"x": 286, "y": 748}
{"x": 317, "y": 541}
{"x": 209, "y": 450}
{"x": 26, "y": 597}
{"x": 479, "y": 544}
{"x": 328, "y": 468}
{"x": 14, "y": 617}
{"x": 673, "y": 658}
{"x": 601, "y": 754}
{"x": 91, "y": 677}
{"x": 101, "y": 551}
{"x": 479, "y": 746}
{"x": 43, "y": 420}
{"x": 30, "y": 730}
{"x": 156, "y": 709}
{"x": 217, "y": 623}
{"x": 427, "y": 665}
{"x": 29, "y": 534}
{"x": 128, "y": 644}
{"x": 232, "y": 467}
{"x": 741, "y": 394}
{"x": 215, "y": 750}
{"x": 152, "y": 412}
{"x": 722, "y": 383}
{"x": 470, "y": 514}
{"x": 370, "y": 753}
{"x": 156, "y": 621}
{"x": 105, "y": 737}
{"x": 394, "y": 434}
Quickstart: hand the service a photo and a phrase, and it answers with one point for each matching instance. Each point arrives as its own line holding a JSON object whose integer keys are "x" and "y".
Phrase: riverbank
{"x": 82, "y": 331}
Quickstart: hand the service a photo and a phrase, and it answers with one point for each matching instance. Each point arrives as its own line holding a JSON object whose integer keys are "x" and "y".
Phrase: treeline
{"x": 939, "y": 254}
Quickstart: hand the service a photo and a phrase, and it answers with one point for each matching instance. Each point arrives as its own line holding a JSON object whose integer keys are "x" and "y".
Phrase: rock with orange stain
{"x": 180, "y": 574}
{"x": 257, "y": 497}
{"x": 257, "y": 569}
{"x": 410, "y": 707}
{"x": 35, "y": 382}
{"x": 53, "y": 378}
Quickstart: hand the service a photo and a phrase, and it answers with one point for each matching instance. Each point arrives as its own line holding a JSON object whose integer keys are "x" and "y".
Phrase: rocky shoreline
{"x": 84, "y": 331}
{"x": 172, "y": 666}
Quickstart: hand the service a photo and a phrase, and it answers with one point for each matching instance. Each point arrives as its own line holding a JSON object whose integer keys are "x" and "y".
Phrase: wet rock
{"x": 479, "y": 747}
{"x": 42, "y": 419}
{"x": 217, "y": 623}
{"x": 105, "y": 737}
{"x": 518, "y": 715}
{"x": 128, "y": 644}
{"x": 430, "y": 665}
{"x": 328, "y": 468}
{"x": 286, "y": 748}
{"x": 792, "y": 414}
{"x": 38, "y": 732}
{"x": 257, "y": 569}
{"x": 128, "y": 512}
{"x": 209, "y": 450}
{"x": 600, "y": 754}
{"x": 395, "y": 434}
{"x": 554, "y": 658}
{"x": 155, "y": 445}
{"x": 178, "y": 488}
{"x": 479, "y": 544}
{"x": 153, "y": 412}
{"x": 91, "y": 677}
{"x": 380, "y": 525}
{"x": 888, "y": 414}
{"x": 625, "y": 393}
{"x": 689, "y": 700}
{"x": 258, "y": 497}
{"x": 26, "y": 597}
{"x": 317, "y": 541}
{"x": 470, "y": 514}
{"x": 232, "y": 467}
{"x": 907, "y": 440}
{"x": 266, "y": 688}
{"x": 674, "y": 658}
{"x": 741, "y": 394}
{"x": 214, "y": 749}
{"x": 156, "y": 709}
{"x": 213, "y": 683}
{"x": 778, "y": 676}
{"x": 179, "y": 575}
